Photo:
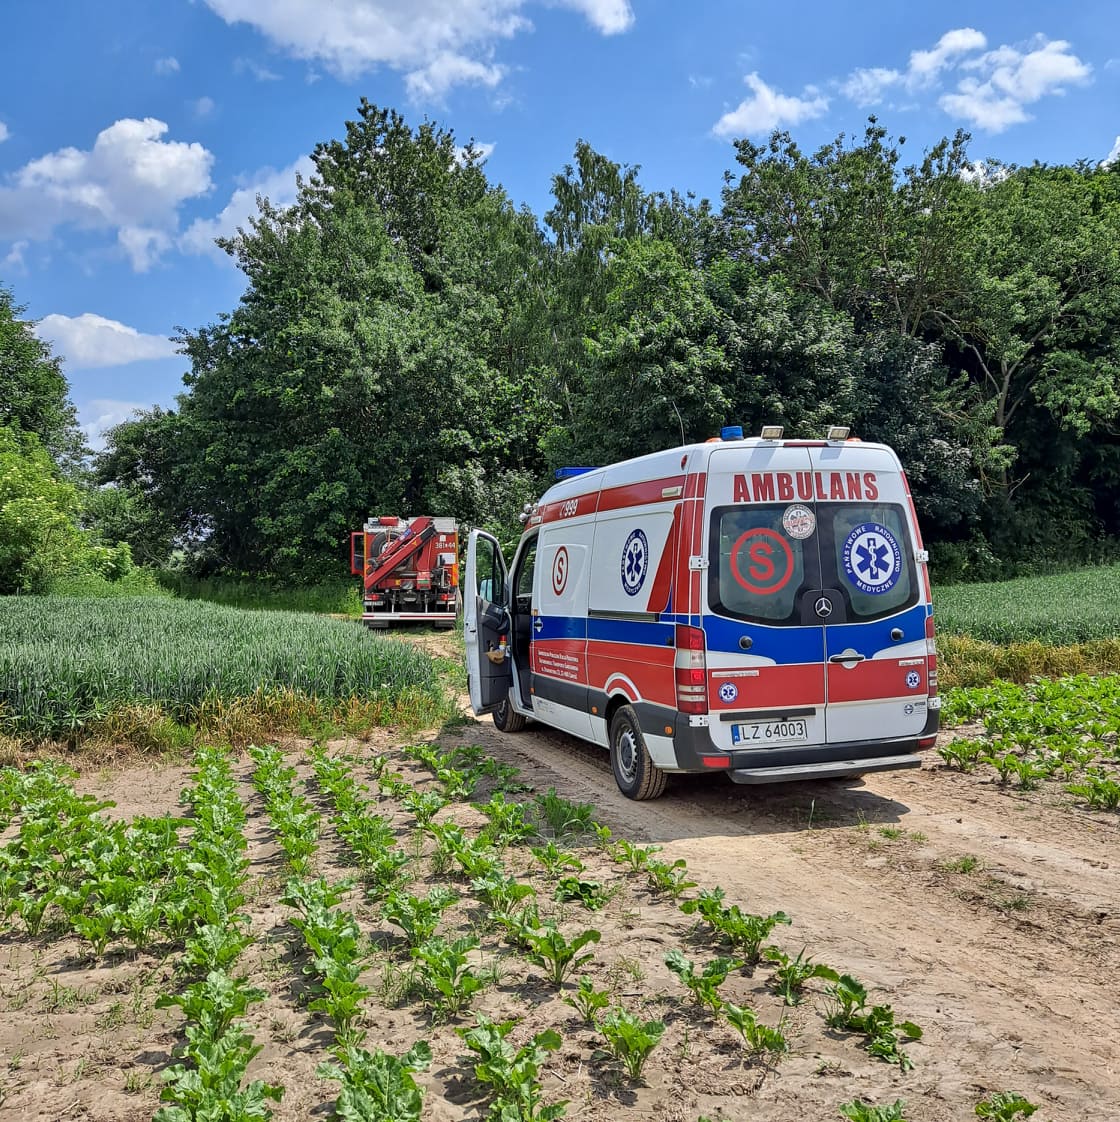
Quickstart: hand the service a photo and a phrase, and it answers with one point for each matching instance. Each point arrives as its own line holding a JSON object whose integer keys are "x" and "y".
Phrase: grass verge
{"x": 965, "y": 661}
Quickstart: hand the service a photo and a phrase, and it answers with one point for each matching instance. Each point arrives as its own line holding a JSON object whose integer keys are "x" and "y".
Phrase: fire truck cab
{"x": 758, "y": 606}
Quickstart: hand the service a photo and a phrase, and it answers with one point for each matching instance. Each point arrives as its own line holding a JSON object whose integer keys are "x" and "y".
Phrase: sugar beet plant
{"x": 336, "y": 957}
{"x": 630, "y": 1039}
{"x": 743, "y": 930}
{"x": 294, "y": 819}
{"x": 703, "y": 984}
{"x": 512, "y": 1075}
{"x": 330, "y": 933}
{"x": 378, "y": 1086}
{"x": 103, "y": 879}
{"x": 209, "y": 1079}
{"x": 1065, "y": 729}
{"x": 368, "y": 836}
{"x": 446, "y": 974}
{"x": 847, "y": 1009}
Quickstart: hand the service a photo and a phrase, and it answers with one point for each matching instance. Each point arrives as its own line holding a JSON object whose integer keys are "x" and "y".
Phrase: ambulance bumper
{"x": 832, "y": 769}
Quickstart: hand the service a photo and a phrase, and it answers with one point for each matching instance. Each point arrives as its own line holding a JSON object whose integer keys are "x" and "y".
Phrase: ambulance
{"x": 759, "y": 607}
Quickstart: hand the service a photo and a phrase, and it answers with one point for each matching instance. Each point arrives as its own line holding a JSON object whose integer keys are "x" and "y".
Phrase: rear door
{"x": 875, "y": 632}
{"x": 764, "y": 631}
{"x": 485, "y": 620}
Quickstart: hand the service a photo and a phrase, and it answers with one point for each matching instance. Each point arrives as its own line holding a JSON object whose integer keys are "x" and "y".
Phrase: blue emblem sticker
{"x": 635, "y": 563}
{"x": 872, "y": 558}
{"x": 728, "y": 692}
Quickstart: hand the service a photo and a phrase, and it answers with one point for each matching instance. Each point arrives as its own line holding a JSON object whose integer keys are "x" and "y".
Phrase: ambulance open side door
{"x": 485, "y": 620}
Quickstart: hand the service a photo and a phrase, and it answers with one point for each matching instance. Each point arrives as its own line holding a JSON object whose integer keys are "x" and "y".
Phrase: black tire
{"x": 635, "y": 773}
{"x": 506, "y": 719}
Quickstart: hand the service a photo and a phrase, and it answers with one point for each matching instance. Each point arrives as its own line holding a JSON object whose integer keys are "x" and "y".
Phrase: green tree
{"x": 653, "y": 361}
{"x": 383, "y": 359}
{"x": 39, "y": 536}
{"x": 884, "y": 243}
{"x": 34, "y": 396}
{"x": 1042, "y": 283}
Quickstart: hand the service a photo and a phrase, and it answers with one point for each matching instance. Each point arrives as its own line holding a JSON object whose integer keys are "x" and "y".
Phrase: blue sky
{"x": 133, "y": 131}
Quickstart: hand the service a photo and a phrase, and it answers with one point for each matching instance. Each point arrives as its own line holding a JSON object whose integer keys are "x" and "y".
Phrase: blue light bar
{"x": 731, "y": 432}
{"x": 571, "y": 472}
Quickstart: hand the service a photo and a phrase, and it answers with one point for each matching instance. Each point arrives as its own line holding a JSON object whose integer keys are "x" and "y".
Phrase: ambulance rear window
{"x": 866, "y": 553}
{"x": 765, "y": 558}
{"x": 758, "y": 568}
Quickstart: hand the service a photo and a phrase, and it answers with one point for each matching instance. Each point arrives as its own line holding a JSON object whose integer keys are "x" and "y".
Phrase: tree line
{"x": 411, "y": 342}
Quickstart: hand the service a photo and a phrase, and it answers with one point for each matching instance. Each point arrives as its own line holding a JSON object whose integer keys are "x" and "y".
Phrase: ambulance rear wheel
{"x": 635, "y": 773}
{"x": 506, "y": 720}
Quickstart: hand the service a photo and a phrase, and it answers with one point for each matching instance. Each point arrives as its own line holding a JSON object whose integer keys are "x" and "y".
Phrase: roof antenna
{"x": 679, "y": 421}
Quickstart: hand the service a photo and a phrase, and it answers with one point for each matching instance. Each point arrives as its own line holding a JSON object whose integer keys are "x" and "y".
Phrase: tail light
{"x": 931, "y": 657}
{"x": 691, "y": 671}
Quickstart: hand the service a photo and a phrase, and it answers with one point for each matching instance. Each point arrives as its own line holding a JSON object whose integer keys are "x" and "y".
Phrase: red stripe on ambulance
{"x": 650, "y": 668}
{"x": 800, "y": 684}
{"x": 878, "y": 678}
{"x": 641, "y": 494}
{"x": 663, "y": 579}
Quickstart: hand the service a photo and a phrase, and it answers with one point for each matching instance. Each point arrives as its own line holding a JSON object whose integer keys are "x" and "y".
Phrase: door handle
{"x": 848, "y": 658}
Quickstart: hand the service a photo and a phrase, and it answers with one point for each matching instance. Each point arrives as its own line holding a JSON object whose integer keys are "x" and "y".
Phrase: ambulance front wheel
{"x": 635, "y": 773}
{"x": 506, "y": 720}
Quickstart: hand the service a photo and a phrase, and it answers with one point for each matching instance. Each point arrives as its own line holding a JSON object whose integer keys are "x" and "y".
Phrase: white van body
{"x": 760, "y": 607}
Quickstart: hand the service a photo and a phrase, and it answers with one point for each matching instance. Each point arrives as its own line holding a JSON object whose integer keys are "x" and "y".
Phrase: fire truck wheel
{"x": 635, "y": 773}
{"x": 506, "y": 720}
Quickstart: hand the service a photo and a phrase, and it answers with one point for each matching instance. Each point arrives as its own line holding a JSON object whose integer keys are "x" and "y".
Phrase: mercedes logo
{"x": 823, "y": 607}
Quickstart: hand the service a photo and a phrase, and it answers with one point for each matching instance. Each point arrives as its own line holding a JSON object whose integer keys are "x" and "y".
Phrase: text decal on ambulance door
{"x": 808, "y": 486}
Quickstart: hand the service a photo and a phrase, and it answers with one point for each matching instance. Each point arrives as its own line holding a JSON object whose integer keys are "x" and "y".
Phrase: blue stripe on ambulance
{"x": 869, "y": 638}
{"x": 785, "y": 645}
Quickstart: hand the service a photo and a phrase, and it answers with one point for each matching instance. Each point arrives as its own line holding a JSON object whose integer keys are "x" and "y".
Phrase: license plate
{"x": 770, "y": 732}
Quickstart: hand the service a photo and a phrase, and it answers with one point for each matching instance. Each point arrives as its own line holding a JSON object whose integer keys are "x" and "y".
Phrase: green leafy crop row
{"x": 1065, "y": 730}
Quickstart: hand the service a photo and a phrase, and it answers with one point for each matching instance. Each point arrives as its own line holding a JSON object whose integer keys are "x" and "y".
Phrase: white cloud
{"x": 203, "y": 107}
{"x": 14, "y": 261}
{"x": 4, "y": 134}
{"x": 767, "y": 109}
{"x": 89, "y": 341}
{"x": 993, "y": 88}
{"x": 866, "y": 87}
{"x": 1009, "y": 80}
{"x": 447, "y": 70}
{"x": 926, "y": 65}
{"x": 100, "y": 414}
{"x": 255, "y": 69}
{"x": 166, "y": 66}
{"x": 483, "y": 152}
{"x": 437, "y": 44}
{"x": 608, "y": 16}
{"x": 1113, "y": 156}
{"x": 984, "y": 172}
{"x": 279, "y": 187}
{"x": 131, "y": 182}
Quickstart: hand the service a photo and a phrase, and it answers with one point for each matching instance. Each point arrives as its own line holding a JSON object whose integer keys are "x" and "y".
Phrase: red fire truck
{"x": 409, "y": 569}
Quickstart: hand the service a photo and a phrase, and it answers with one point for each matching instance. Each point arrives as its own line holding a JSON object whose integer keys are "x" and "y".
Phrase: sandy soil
{"x": 988, "y": 917}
